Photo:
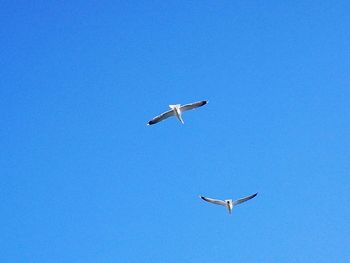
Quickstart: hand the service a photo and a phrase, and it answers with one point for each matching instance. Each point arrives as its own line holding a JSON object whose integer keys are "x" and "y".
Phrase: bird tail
{"x": 180, "y": 119}
{"x": 229, "y": 208}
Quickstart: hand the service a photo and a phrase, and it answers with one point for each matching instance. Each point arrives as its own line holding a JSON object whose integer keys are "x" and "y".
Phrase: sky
{"x": 84, "y": 179}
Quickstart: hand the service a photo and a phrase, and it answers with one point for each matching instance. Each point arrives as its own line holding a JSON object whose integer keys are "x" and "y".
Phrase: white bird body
{"x": 228, "y": 203}
{"x": 176, "y": 110}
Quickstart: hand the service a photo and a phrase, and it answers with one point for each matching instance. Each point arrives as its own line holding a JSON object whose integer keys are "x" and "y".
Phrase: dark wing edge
{"x": 213, "y": 201}
{"x": 161, "y": 117}
{"x": 242, "y": 200}
{"x": 193, "y": 105}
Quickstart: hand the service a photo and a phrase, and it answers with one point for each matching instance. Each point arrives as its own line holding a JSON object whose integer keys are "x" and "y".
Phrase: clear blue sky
{"x": 83, "y": 179}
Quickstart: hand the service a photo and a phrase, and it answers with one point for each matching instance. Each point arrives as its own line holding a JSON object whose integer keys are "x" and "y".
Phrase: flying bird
{"x": 177, "y": 110}
{"x": 228, "y": 203}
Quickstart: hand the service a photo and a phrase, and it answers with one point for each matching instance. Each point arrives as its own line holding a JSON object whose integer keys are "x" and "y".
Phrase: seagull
{"x": 177, "y": 110}
{"x": 228, "y": 203}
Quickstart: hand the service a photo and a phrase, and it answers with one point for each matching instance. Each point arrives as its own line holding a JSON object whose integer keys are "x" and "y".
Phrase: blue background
{"x": 83, "y": 179}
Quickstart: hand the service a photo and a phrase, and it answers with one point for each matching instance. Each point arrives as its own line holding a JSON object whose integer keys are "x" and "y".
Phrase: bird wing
{"x": 242, "y": 200}
{"x": 161, "y": 117}
{"x": 193, "y": 105}
{"x": 213, "y": 201}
